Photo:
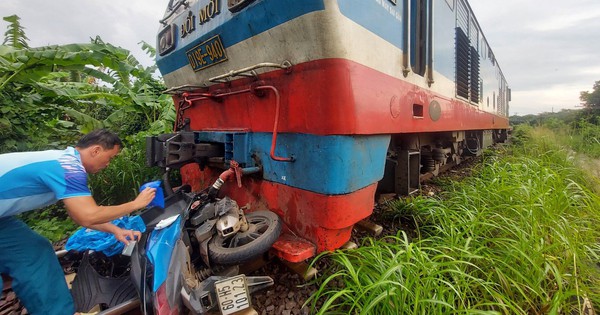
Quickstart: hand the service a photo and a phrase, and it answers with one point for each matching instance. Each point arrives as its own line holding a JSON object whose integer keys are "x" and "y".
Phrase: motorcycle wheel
{"x": 264, "y": 229}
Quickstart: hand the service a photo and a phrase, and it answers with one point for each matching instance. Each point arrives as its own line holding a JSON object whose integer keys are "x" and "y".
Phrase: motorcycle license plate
{"x": 233, "y": 294}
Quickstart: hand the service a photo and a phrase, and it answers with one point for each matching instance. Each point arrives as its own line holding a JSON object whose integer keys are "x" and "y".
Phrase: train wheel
{"x": 264, "y": 229}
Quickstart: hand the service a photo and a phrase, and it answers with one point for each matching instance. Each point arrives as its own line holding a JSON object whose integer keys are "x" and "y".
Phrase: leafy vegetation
{"x": 585, "y": 138}
{"x": 566, "y": 116}
{"x": 15, "y": 33}
{"x": 580, "y": 135}
{"x": 50, "y": 96}
{"x": 51, "y": 222}
{"x": 578, "y": 130}
{"x": 520, "y": 237}
{"x": 57, "y": 93}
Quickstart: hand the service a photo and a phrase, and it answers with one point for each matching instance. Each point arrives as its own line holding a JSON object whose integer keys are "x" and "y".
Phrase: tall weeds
{"x": 519, "y": 237}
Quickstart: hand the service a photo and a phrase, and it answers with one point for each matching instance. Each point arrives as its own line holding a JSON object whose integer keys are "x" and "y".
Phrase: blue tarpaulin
{"x": 88, "y": 239}
{"x": 159, "y": 197}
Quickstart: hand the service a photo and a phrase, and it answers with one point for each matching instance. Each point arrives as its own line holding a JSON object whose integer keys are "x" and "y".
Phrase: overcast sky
{"x": 548, "y": 50}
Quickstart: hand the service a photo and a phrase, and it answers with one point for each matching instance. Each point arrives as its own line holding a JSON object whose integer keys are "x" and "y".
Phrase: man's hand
{"x": 122, "y": 235}
{"x": 125, "y": 236}
{"x": 145, "y": 197}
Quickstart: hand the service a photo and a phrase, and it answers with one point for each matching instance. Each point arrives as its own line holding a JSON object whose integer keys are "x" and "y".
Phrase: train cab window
{"x": 418, "y": 36}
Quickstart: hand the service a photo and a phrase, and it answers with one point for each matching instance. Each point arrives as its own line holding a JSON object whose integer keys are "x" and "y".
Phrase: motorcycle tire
{"x": 264, "y": 229}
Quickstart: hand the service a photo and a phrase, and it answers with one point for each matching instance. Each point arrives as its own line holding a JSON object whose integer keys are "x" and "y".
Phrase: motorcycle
{"x": 187, "y": 260}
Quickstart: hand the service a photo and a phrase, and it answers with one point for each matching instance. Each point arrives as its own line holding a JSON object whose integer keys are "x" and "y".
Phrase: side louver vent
{"x": 467, "y": 68}
{"x": 462, "y": 63}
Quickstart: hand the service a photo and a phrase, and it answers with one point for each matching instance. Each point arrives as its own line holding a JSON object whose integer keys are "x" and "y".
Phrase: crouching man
{"x": 33, "y": 180}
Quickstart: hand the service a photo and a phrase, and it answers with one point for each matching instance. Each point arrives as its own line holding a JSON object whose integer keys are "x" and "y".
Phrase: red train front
{"x": 328, "y": 101}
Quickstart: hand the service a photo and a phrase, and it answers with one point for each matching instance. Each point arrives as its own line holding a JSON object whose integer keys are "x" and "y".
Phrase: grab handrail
{"x": 188, "y": 98}
{"x": 249, "y": 71}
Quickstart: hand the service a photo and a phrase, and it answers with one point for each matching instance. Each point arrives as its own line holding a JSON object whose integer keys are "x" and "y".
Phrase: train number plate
{"x": 207, "y": 53}
{"x": 232, "y": 294}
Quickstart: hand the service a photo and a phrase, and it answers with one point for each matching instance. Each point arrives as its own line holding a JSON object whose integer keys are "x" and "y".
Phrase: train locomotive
{"x": 319, "y": 105}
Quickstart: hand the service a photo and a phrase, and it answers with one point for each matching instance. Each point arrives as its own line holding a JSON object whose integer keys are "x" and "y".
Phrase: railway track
{"x": 10, "y": 304}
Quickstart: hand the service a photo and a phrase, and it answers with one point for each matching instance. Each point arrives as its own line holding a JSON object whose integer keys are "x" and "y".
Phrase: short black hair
{"x": 103, "y": 137}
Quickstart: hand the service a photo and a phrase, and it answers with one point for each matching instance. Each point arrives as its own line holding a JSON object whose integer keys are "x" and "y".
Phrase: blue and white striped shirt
{"x": 32, "y": 180}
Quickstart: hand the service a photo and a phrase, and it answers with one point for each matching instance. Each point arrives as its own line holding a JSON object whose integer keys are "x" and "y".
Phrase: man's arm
{"x": 85, "y": 212}
{"x": 120, "y": 234}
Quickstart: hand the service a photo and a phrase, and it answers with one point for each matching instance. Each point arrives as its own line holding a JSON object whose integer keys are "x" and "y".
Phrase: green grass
{"x": 586, "y": 138}
{"x": 519, "y": 237}
{"x": 581, "y": 136}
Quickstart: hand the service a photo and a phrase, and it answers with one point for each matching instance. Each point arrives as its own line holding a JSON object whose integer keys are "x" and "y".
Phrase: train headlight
{"x": 236, "y": 5}
{"x": 166, "y": 39}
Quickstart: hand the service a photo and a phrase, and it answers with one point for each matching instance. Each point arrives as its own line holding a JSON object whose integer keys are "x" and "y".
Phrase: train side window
{"x": 418, "y": 36}
{"x": 170, "y": 5}
{"x": 237, "y": 5}
{"x": 483, "y": 47}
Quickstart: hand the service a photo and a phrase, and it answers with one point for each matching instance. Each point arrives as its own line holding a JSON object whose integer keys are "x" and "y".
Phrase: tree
{"x": 591, "y": 104}
{"x": 591, "y": 100}
{"x": 15, "y": 33}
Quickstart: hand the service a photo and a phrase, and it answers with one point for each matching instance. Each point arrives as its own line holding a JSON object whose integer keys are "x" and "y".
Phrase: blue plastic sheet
{"x": 88, "y": 239}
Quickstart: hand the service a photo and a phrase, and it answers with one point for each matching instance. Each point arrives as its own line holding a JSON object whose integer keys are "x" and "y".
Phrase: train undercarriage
{"x": 412, "y": 158}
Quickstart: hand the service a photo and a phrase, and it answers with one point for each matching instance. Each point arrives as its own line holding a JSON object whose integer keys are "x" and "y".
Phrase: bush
{"x": 587, "y": 138}
{"x": 519, "y": 237}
